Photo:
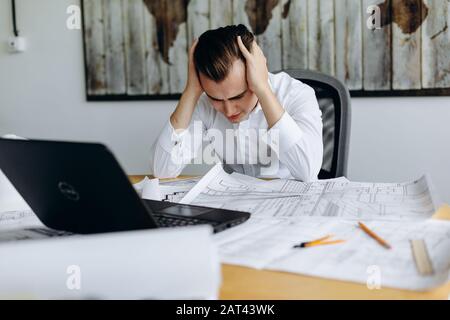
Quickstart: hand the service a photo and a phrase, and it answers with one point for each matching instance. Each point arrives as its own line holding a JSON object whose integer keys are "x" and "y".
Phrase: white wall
{"x": 397, "y": 139}
{"x": 42, "y": 95}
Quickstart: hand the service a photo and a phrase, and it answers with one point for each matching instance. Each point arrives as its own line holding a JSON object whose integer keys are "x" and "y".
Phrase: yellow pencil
{"x": 318, "y": 242}
{"x": 322, "y": 243}
{"x": 374, "y": 236}
{"x": 311, "y": 243}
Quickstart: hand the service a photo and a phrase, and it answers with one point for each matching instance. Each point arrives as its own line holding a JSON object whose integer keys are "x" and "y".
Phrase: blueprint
{"x": 334, "y": 198}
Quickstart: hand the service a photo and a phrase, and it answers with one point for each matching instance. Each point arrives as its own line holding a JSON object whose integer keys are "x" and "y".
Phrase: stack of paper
{"x": 127, "y": 265}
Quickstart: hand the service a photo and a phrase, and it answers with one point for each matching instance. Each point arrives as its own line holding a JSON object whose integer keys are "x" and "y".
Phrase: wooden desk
{"x": 245, "y": 283}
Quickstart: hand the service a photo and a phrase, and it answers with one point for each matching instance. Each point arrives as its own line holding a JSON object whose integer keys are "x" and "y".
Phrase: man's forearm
{"x": 182, "y": 115}
{"x": 273, "y": 111}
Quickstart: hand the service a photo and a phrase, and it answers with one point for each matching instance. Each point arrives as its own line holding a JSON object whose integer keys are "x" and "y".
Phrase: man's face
{"x": 231, "y": 97}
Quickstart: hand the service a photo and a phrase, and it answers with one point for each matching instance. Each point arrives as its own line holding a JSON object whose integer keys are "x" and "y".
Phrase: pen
{"x": 373, "y": 235}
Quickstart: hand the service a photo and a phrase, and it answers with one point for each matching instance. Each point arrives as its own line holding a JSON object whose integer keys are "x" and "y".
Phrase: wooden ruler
{"x": 421, "y": 257}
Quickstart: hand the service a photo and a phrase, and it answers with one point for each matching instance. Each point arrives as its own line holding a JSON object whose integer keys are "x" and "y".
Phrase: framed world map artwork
{"x": 138, "y": 49}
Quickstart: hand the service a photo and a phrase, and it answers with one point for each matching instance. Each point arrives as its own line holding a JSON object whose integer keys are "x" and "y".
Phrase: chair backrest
{"x": 334, "y": 102}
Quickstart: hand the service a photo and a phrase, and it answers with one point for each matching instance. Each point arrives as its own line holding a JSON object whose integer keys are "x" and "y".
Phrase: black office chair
{"x": 334, "y": 102}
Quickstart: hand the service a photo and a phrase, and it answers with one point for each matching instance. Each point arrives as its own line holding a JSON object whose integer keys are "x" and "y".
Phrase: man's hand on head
{"x": 256, "y": 67}
{"x": 182, "y": 115}
{"x": 258, "y": 82}
{"x": 193, "y": 85}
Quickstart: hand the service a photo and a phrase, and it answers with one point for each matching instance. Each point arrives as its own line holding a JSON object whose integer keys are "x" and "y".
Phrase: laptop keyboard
{"x": 168, "y": 222}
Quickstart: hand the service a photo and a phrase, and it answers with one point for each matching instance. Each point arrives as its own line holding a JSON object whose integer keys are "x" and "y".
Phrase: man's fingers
{"x": 244, "y": 50}
{"x": 194, "y": 44}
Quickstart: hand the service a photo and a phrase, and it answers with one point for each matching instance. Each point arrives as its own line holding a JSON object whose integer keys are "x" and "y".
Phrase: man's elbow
{"x": 163, "y": 172}
{"x": 309, "y": 169}
{"x": 307, "y": 173}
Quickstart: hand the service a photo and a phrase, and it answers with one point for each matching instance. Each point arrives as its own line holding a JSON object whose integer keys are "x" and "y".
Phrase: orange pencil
{"x": 373, "y": 235}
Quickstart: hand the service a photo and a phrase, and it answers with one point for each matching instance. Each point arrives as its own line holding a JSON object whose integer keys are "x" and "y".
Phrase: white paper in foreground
{"x": 264, "y": 245}
{"x": 179, "y": 263}
{"x": 18, "y": 220}
{"x": 362, "y": 259}
{"x": 10, "y": 199}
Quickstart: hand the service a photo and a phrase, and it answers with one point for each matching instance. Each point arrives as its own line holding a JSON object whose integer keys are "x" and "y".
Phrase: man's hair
{"x": 217, "y": 50}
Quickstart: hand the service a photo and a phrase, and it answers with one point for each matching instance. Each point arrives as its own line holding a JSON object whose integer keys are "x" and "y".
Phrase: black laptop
{"x": 81, "y": 188}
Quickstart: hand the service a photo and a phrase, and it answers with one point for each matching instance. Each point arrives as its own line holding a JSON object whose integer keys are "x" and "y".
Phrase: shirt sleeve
{"x": 297, "y": 137}
{"x": 174, "y": 149}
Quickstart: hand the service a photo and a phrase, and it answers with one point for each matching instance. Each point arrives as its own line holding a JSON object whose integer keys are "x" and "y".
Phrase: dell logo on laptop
{"x": 68, "y": 191}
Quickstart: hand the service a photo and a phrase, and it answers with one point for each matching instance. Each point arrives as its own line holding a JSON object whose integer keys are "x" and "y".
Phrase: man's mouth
{"x": 234, "y": 117}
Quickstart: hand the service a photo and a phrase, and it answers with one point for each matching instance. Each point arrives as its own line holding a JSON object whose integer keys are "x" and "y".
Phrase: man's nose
{"x": 229, "y": 108}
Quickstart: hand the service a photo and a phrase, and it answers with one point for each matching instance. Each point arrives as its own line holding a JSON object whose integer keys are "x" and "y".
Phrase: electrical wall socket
{"x": 17, "y": 44}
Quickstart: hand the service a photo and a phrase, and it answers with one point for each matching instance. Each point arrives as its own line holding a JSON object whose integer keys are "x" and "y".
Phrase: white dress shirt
{"x": 294, "y": 143}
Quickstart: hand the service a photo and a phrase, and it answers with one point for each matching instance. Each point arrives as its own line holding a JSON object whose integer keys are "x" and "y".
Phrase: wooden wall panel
{"x": 348, "y": 26}
{"x": 321, "y": 39}
{"x": 406, "y": 45}
{"x": 135, "y": 47}
{"x": 436, "y": 45}
{"x": 94, "y": 46}
{"x": 239, "y": 13}
{"x": 114, "y": 47}
{"x": 198, "y": 19}
{"x": 376, "y": 52}
{"x": 157, "y": 68}
{"x": 221, "y": 13}
{"x": 270, "y": 39}
{"x": 294, "y": 34}
{"x": 176, "y": 31}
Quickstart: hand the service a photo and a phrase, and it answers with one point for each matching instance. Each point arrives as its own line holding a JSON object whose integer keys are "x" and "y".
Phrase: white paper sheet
{"x": 269, "y": 246}
{"x": 139, "y": 186}
{"x": 361, "y": 259}
{"x": 10, "y": 199}
{"x": 151, "y": 190}
{"x": 172, "y": 191}
{"x": 14, "y": 220}
{"x": 179, "y": 263}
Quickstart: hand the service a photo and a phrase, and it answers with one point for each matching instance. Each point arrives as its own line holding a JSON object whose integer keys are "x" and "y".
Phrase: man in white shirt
{"x": 233, "y": 102}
